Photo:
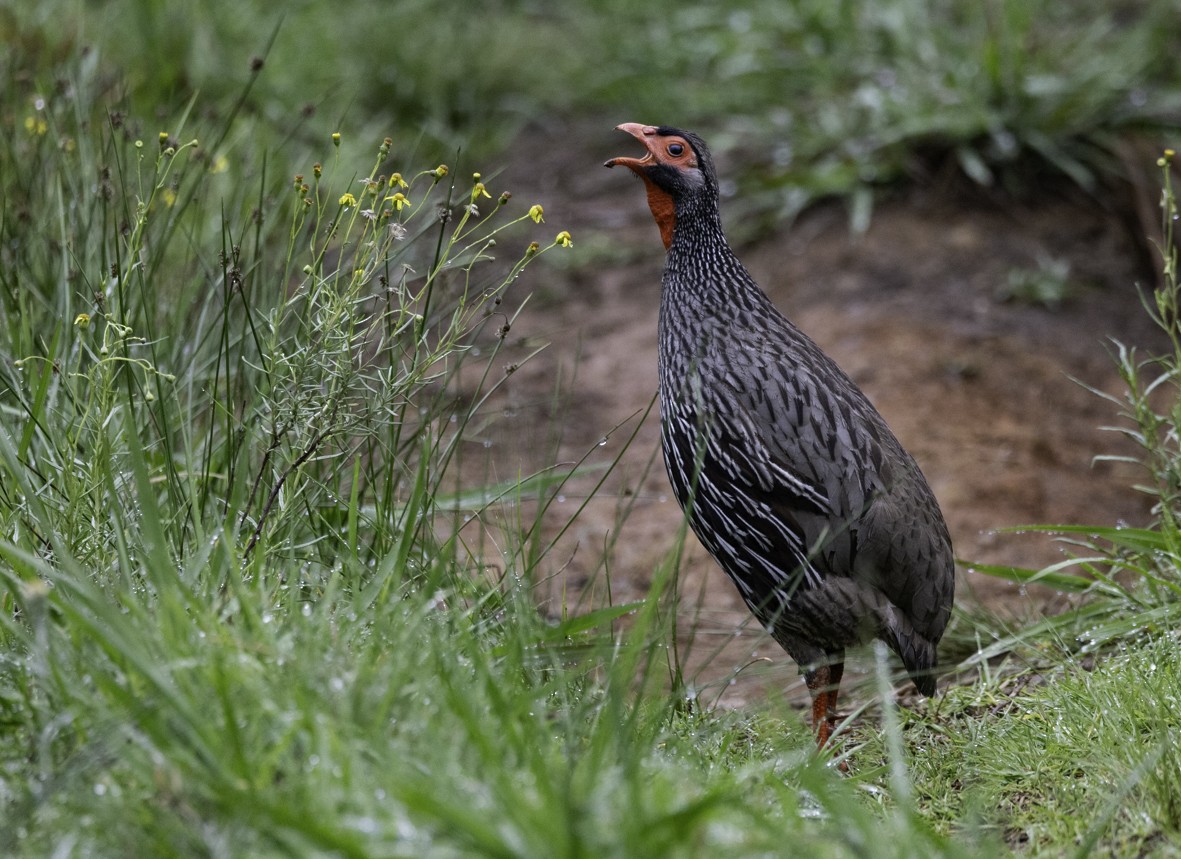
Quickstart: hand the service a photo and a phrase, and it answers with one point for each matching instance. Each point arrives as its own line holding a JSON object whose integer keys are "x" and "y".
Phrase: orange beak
{"x": 643, "y": 133}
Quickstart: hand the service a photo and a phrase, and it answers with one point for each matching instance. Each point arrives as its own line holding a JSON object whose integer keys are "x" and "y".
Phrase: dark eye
{"x": 676, "y": 150}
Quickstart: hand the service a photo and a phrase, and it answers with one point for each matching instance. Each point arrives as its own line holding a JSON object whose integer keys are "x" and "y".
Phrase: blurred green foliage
{"x": 817, "y": 97}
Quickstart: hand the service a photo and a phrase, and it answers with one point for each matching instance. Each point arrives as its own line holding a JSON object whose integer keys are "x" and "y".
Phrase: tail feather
{"x": 916, "y": 651}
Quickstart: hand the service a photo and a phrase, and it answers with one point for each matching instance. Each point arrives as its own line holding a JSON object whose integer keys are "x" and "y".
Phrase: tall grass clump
{"x": 246, "y": 607}
{"x": 1131, "y": 576}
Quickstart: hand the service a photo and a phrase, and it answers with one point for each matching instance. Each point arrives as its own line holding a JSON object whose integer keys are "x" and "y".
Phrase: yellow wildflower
{"x": 537, "y": 213}
{"x": 396, "y": 181}
{"x": 82, "y": 321}
{"x": 347, "y": 200}
{"x": 563, "y": 239}
{"x": 399, "y": 200}
{"x": 480, "y": 190}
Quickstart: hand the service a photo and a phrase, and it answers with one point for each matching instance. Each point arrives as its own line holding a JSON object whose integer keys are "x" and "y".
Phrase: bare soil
{"x": 980, "y": 389}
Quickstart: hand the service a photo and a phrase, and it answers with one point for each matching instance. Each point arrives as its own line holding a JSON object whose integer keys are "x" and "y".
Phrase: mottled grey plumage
{"x": 790, "y": 477}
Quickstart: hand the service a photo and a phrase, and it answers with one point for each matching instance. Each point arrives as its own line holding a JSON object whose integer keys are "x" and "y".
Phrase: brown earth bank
{"x": 978, "y": 384}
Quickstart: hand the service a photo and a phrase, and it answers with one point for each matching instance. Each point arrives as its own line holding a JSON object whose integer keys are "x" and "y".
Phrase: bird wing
{"x": 883, "y": 527}
{"x": 829, "y": 471}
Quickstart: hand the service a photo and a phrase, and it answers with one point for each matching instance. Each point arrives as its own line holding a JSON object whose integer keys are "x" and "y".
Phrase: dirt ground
{"x": 979, "y": 388}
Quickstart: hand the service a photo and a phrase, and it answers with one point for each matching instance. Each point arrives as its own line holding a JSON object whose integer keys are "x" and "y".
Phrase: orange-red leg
{"x": 835, "y": 672}
{"x": 824, "y": 684}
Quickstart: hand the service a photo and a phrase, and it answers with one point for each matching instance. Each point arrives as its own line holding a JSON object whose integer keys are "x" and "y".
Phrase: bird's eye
{"x": 676, "y": 150}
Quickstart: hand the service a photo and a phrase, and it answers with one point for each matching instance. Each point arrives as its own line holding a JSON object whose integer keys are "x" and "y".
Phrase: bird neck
{"x": 698, "y": 231}
{"x": 700, "y": 266}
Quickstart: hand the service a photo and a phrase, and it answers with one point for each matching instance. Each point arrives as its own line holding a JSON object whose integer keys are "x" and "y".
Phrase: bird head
{"x": 677, "y": 170}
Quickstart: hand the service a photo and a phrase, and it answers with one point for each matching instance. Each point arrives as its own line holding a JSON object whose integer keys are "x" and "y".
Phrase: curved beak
{"x": 643, "y": 133}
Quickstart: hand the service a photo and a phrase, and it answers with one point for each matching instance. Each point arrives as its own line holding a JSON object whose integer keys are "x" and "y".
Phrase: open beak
{"x": 645, "y": 134}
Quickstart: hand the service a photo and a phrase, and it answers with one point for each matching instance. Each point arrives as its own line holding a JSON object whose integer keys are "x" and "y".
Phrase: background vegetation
{"x": 245, "y": 609}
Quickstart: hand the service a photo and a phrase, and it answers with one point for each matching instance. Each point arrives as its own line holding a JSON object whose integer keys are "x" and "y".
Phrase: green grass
{"x": 248, "y": 604}
{"x": 1073, "y": 760}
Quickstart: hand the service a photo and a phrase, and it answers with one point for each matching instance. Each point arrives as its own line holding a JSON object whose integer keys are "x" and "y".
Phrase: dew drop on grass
{"x": 365, "y": 825}
{"x": 267, "y": 617}
{"x": 603, "y": 442}
{"x": 100, "y": 789}
{"x": 487, "y": 443}
{"x": 404, "y": 828}
{"x": 306, "y": 609}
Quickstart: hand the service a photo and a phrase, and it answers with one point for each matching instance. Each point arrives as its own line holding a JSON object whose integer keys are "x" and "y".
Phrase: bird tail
{"x": 924, "y": 679}
{"x": 917, "y": 652}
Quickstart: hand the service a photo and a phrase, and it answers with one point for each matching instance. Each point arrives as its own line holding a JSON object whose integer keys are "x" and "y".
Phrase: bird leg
{"x": 824, "y": 682}
{"x": 835, "y": 672}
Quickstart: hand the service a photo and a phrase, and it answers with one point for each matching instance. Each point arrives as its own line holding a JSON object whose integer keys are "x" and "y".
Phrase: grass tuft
{"x": 1131, "y": 576}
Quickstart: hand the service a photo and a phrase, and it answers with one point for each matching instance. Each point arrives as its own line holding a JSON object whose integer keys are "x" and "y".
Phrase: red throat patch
{"x": 663, "y": 210}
